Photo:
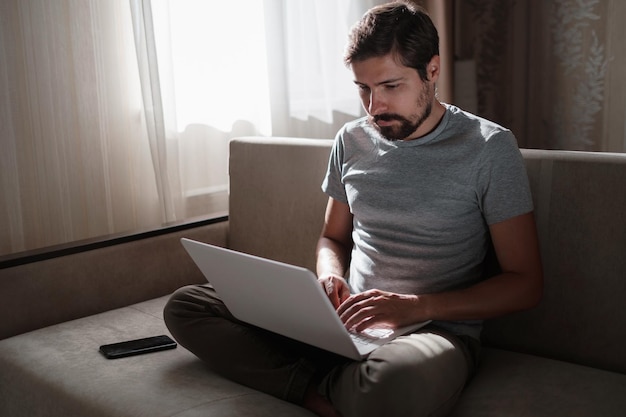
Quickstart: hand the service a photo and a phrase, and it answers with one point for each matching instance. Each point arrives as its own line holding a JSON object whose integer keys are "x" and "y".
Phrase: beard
{"x": 407, "y": 126}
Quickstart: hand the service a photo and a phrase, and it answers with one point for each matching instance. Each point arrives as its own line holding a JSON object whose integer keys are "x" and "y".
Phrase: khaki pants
{"x": 421, "y": 374}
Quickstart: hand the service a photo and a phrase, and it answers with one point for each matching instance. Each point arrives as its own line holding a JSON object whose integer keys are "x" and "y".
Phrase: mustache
{"x": 387, "y": 117}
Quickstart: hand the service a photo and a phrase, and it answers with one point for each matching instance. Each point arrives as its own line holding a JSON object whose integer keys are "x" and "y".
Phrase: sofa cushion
{"x": 58, "y": 371}
{"x": 579, "y": 207}
{"x": 510, "y": 384}
{"x": 276, "y": 200}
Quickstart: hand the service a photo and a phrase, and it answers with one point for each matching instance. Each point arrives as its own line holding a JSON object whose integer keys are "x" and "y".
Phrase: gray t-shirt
{"x": 422, "y": 208}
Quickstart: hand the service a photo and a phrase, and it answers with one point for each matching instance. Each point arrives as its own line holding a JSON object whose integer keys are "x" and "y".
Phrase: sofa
{"x": 566, "y": 357}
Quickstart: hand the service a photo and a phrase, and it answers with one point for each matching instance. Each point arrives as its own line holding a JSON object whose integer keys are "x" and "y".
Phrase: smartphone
{"x": 137, "y": 347}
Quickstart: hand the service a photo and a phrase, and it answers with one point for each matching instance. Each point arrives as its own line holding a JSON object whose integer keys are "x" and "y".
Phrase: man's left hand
{"x": 376, "y": 308}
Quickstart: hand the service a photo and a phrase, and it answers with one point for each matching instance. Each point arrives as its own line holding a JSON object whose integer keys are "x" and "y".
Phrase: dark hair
{"x": 402, "y": 29}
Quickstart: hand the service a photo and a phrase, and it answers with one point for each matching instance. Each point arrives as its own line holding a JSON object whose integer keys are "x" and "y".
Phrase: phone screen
{"x": 137, "y": 346}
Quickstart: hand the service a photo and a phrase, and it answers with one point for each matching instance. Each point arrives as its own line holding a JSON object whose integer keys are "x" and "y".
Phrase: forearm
{"x": 335, "y": 242}
{"x": 502, "y": 294}
{"x": 332, "y": 257}
{"x": 497, "y": 296}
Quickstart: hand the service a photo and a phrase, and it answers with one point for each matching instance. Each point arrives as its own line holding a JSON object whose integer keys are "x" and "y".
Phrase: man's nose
{"x": 377, "y": 104}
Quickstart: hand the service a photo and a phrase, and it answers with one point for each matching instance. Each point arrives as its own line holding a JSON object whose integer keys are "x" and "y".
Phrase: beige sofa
{"x": 564, "y": 358}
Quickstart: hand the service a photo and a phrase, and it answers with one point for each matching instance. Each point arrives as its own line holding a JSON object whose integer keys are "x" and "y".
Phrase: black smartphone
{"x": 137, "y": 347}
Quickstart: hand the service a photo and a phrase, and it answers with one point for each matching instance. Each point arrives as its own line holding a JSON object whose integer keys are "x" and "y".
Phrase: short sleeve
{"x": 502, "y": 181}
{"x": 333, "y": 181}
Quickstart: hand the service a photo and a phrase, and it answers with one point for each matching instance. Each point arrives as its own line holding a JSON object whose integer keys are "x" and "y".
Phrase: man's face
{"x": 396, "y": 99}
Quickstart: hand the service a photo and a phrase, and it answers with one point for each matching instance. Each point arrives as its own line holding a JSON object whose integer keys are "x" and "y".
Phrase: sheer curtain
{"x": 216, "y": 70}
{"x": 75, "y": 161}
{"x": 115, "y": 115}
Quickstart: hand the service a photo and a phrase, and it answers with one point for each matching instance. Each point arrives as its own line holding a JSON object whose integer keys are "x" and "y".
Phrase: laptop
{"x": 284, "y": 299}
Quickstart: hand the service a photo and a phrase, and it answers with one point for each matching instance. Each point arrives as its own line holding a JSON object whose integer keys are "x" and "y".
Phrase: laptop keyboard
{"x": 368, "y": 336}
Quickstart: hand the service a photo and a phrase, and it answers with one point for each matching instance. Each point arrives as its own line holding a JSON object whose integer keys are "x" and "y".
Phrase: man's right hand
{"x": 336, "y": 288}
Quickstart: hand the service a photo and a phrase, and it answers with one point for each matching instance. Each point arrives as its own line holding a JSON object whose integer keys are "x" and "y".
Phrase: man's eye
{"x": 391, "y": 86}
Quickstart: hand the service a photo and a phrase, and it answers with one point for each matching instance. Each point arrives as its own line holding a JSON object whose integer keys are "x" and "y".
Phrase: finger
{"x": 358, "y": 312}
{"x": 344, "y": 295}
{"x": 370, "y": 321}
{"x": 352, "y": 301}
{"x": 342, "y": 290}
{"x": 345, "y": 305}
{"x": 364, "y": 319}
{"x": 334, "y": 299}
{"x": 332, "y": 290}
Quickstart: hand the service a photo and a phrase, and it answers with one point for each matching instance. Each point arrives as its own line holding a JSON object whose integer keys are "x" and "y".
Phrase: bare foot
{"x": 318, "y": 404}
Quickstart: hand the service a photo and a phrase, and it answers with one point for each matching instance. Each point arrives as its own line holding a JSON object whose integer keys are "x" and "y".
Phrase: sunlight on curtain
{"x": 214, "y": 82}
{"x": 116, "y": 115}
{"x": 75, "y": 162}
{"x": 219, "y": 63}
{"x": 318, "y": 83}
{"x": 212, "y": 85}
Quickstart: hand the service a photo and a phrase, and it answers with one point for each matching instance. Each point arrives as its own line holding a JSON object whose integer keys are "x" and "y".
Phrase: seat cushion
{"x": 510, "y": 384}
{"x": 58, "y": 371}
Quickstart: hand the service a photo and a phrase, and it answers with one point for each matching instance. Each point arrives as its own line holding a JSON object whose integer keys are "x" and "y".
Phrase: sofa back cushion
{"x": 277, "y": 209}
{"x": 580, "y": 210}
{"x": 276, "y": 201}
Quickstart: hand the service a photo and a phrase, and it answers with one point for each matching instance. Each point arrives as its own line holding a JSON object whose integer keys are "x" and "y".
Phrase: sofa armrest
{"x": 62, "y": 288}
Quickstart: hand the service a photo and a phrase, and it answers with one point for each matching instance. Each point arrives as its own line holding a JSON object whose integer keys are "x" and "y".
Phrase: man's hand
{"x": 336, "y": 288}
{"x": 376, "y": 308}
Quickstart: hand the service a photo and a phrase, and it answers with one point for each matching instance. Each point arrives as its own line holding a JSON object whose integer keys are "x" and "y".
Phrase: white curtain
{"x": 75, "y": 161}
{"x": 115, "y": 115}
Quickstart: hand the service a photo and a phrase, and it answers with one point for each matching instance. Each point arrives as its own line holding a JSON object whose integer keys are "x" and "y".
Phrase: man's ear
{"x": 433, "y": 68}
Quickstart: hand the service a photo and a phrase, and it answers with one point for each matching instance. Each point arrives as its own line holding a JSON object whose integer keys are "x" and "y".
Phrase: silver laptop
{"x": 284, "y": 299}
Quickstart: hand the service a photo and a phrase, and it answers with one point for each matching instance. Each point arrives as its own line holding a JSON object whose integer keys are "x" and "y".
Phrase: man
{"x": 418, "y": 193}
